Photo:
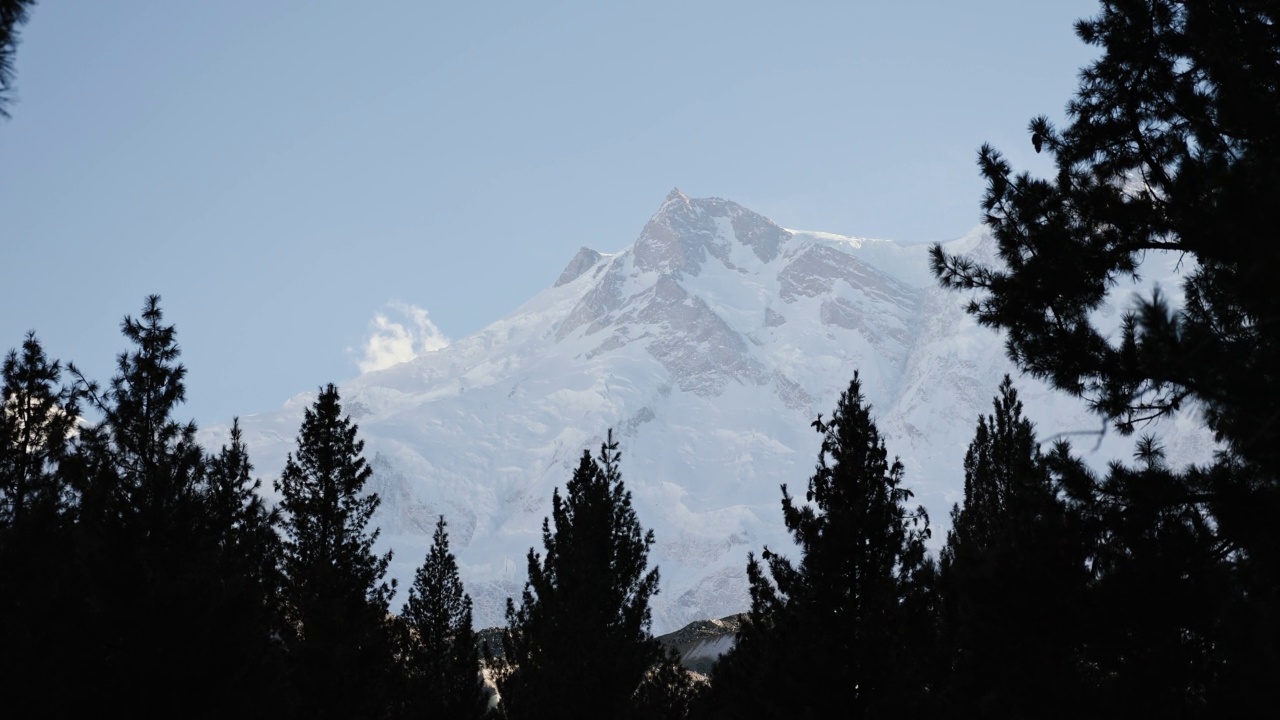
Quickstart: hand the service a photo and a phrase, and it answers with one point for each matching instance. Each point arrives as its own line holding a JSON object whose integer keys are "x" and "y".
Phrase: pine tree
{"x": 147, "y": 552}
{"x": 143, "y": 587}
{"x": 37, "y": 420}
{"x": 578, "y": 645}
{"x": 1171, "y": 148}
{"x": 853, "y": 616}
{"x": 39, "y": 583}
{"x": 239, "y": 516}
{"x": 148, "y": 466}
{"x": 1012, "y": 579}
{"x": 442, "y": 660}
{"x": 13, "y": 13}
{"x": 1166, "y": 630}
{"x": 246, "y": 614}
{"x": 335, "y": 598}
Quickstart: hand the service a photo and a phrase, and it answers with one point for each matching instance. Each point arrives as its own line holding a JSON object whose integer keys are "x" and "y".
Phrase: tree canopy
{"x": 578, "y": 644}
{"x": 1172, "y": 147}
{"x": 1012, "y": 579}
{"x": 335, "y": 599}
{"x": 854, "y": 613}
{"x": 13, "y": 13}
{"x": 442, "y": 660}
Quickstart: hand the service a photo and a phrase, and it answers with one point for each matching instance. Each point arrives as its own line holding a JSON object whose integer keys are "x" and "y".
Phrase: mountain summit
{"x": 709, "y": 345}
{"x": 684, "y": 233}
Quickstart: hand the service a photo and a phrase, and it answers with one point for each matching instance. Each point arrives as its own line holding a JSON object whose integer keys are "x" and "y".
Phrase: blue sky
{"x": 285, "y": 173}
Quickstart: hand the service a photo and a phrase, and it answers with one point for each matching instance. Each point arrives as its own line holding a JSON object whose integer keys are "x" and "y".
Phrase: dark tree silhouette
{"x": 1163, "y": 618}
{"x": 151, "y": 467}
{"x": 147, "y": 550}
{"x": 442, "y": 661}
{"x": 13, "y": 13}
{"x": 853, "y": 617}
{"x": 246, "y": 613}
{"x": 1172, "y": 148}
{"x": 336, "y": 602}
{"x": 39, "y": 582}
{"x": 1012, "y": 579}
{"x": 237, "y": 513}
{"x": 126, "y": 580}
{"x": 37, "y": 420}
{"x": 578, "y": 645}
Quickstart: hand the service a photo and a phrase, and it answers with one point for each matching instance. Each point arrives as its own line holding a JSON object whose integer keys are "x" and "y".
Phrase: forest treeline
{"x": 142, "y": 573}
{"x": 149, "y": 575}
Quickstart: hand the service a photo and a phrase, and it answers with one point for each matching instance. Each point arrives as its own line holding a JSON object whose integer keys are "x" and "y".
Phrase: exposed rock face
{"x": 601, "y": 301}
{"x": 694, "y": 344}
{"x": 676, "y": 240}
{"x": 756, "y": 232}
{"x": 641, "y": 296}
{"x": 699, "y": 644}
{"x": 855, "y": 296}
{"x": 708, "y": 345}
{"x": 702, "y": 642}
{"x": 582, "y": 262}
{"x": 684, "y": 233}
{"x": 773, "y": 318}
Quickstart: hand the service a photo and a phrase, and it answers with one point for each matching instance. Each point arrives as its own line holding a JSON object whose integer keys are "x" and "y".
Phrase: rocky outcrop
{"x": 701, "y": 643}
{"x": 582, "y": 262}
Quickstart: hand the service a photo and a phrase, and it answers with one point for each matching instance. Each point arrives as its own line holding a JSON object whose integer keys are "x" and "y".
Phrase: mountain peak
{"x": 673, "y": 240}
{"x": 709, "y": 345}
{"x": 684, "y": 232}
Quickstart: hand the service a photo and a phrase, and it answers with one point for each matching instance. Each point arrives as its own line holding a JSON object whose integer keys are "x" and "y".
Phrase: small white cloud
{"x": 410, "y": 334}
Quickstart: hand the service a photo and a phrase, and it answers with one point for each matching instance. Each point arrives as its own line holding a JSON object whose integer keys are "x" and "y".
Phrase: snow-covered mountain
{"x": 709, "y": 345}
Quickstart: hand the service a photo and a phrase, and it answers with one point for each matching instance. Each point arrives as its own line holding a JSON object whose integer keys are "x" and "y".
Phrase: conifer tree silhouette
{"x": 1170, "y": 149}
{"x": 1012, "y": 579}
{"x": 578, "y": 644}
{"x": 340, "y": 650}
{"x": 13, "y": 13}
{"x": 37, "y": 420}
{"x": 442, "y": 660}
{"x": 38, "y": 575}
{"x": 853, "y": 615}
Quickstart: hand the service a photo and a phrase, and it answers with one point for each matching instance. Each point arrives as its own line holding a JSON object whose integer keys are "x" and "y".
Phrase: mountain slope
{"x": 709, "y": 345}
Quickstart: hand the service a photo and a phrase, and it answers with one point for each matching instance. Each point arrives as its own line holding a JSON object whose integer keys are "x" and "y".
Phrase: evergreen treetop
{"x": 442, "y": 659}
{"x": 1006, "y": 481}
{"x": 13, "y": 13}
{"x": 853, "y": 614}
{"x": 145, "y": 464}
{"x": 326, "y": 513}
{"x": 1171, "y": 148}
{"x": 335, "y": 599}
{"x": 1012, "y": 579}
{"x": 233, "y": 498}
{"x": 578, "y": 645}
{"x": 37, "y": 420}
